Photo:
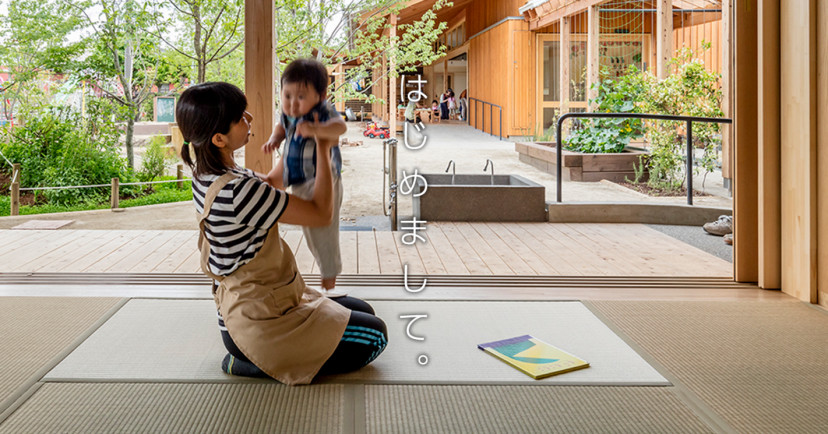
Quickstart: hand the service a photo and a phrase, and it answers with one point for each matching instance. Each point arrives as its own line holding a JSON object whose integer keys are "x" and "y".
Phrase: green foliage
{"x": 611, "y": 135}
{"x": 56, "y": 150}
{"x": 691, "y": 91}
{"x": 155, "y": 160}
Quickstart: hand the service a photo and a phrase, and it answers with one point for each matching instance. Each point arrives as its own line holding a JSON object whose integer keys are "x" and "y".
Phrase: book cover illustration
{"x": 533, "y": 356}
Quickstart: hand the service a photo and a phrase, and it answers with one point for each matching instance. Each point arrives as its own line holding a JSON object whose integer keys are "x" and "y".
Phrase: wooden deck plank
{"x": 557, "y": 264}
{"x": 142, "y": 252}
{"x": 191, "y": 264}
{"x": 688, "y": 260}
{"x": 429, "y": 257}
{"x": 389, "y": 257}
{"x": 87, "y": 242}
{"x": 409, "y": 255}
{"x": 505, "y": 251}
{"x": 623, "y": 241}
{"x": 24, "y": 242}
{"x": 121, "y": 252}
{"x": 613, "y": 249}
{"x": 42, "y": 247}
{"x": 532, "y": 258}
{"x": 594, "y": 259}
{"x": 449, "y": 257}
{"x": 484, "y": 250}
{"x": 348, "y": 252}
{"x": 467, "y": 254}
{"x": 367, "y": 257}
{"x": 177, "y": 257}
{"x": 11, "y": 238}
{"x": 160, "y": 253}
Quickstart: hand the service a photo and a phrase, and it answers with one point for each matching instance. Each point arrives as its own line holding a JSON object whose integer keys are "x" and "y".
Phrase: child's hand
{"x": 308, "y": 129}
{"x": 271, "y": 145}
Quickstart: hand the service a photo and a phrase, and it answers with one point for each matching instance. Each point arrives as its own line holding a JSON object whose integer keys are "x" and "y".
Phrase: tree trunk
{"x": 130, "y": 128}
{"x": 199, "y": 53}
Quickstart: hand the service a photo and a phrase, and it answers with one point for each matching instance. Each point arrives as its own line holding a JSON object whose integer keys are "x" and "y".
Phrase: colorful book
{"x": 533, "y": 356}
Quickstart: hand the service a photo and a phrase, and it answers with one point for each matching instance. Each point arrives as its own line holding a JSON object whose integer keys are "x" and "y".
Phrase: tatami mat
{"x": 36, "y": 330}
{"x": 178, "y": 340}
{"x": 179, "y": 408}
{"x": 761, "y": 366}
{"x": 526, "y": 410}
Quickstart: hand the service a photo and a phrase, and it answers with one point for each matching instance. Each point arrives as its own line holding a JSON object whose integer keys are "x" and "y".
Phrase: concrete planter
{"x": 581, "y": 167}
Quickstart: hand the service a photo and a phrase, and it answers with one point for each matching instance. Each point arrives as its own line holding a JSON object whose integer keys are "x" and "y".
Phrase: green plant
{"x": 611, "y": 135}
{"x": 155, "y": 159}
{"x": 693, "y": 91}
{"x": 55, "y": 149}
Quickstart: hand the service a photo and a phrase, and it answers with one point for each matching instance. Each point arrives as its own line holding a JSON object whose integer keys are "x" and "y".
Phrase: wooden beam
{"x": 686, "y": 19}
{"x": 593, "y": 55}
{"x": 798, "y": 148}
{"x": 745, "y": 126}
{"x": 570, "y": 9}
{"x": 564, "y": 64}
{"x": 664, "y": 30}
{"x": 259, "y": 84}
{"x": 770, "y": 260}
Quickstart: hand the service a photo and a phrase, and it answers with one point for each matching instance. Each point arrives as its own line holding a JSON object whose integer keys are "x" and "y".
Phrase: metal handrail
{"x": 688, "y": 119}
{"x": 491, "y": 117}
{"x": 389, "y": 157}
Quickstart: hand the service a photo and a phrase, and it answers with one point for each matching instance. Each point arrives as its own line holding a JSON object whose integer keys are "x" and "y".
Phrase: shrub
{"x": 155, "y": 160}
{"x": 57, "y": 148}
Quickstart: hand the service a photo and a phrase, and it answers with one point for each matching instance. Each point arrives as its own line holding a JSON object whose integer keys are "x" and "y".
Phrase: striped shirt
{"x": 300, "y": 152}
{"x": 239, "y": 220}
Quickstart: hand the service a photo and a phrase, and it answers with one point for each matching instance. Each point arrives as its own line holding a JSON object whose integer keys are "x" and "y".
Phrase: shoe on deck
{"x": 728, "y": 239}
{"x": 722, "y": 226}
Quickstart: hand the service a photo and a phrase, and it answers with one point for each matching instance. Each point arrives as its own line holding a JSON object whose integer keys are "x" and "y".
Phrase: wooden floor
{"x": 549, "y": 249}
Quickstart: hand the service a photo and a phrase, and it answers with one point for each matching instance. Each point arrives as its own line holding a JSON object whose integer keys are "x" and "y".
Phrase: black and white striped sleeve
{"x": 257, "y": 203}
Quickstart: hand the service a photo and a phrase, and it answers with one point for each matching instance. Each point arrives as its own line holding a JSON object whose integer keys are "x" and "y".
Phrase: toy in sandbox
{"x": 372, "y": 130}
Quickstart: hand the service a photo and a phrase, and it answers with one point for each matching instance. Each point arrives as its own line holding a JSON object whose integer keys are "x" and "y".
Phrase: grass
{"x": 163, "y": 193}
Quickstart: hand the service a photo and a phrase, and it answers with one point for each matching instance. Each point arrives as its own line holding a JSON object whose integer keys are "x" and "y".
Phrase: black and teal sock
{"x": 243, "y": 368}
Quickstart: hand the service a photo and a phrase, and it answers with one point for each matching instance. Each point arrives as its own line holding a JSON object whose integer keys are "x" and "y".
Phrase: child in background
{"x": 270, "y": 322}
{"x": 304, "y": 89}
{"x": 435, "y": 110}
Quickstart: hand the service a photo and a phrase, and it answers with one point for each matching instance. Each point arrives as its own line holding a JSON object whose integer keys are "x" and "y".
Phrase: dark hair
{"x": 203, "y": 111}
{"x": 309, "y": 72}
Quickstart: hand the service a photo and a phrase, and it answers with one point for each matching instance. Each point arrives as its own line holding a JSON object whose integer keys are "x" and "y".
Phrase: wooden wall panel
{"x": 798, "y": 148}
{"x": 484, "y": 13}
{"x": 692, "y": 36}
{"x": 822, "y": 150}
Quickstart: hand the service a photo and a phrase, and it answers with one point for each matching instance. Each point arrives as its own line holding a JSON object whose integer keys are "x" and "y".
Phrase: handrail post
{"x": 113, "y": 200}
{"x": 689, "y": 162}
{"x": 15, "y": 190}
{"x": 179, "y": 174}
{"x": 558, "y": 155}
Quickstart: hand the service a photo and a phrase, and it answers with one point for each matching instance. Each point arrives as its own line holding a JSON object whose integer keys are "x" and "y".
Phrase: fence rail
{"x": 114, "y": 187}
{"x": 688, "y": 119}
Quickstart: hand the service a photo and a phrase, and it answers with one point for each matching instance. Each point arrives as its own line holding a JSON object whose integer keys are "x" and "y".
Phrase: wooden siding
{"x": 484, "y": 13}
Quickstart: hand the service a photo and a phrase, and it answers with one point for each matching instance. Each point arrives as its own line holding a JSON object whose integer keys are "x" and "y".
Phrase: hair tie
{"x": 186, "y": 142}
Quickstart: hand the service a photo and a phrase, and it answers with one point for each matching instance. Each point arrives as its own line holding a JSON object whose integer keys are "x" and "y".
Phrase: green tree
{"x": 121, "y": 62}
{"x": 36, "y": 45}
{"x": 214, "y": 30}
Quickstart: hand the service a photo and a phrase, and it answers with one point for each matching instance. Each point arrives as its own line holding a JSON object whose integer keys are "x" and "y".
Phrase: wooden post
{"x": 114, "y": 194}
{"x": 392, "y": 89}
{"x": 259, "y": 84}
{"x": 727, "y": 92}
{"x": 564, "y": 67}
{"x": 745, "y": 127}
{"x": 15, "y": 189}
{"x": 179, "y": 174}
{"x": 593, "y": 55}
{"x": 339, "y": 81}
{"x": 770, "y": 261}
{"x": 664, "y": 29}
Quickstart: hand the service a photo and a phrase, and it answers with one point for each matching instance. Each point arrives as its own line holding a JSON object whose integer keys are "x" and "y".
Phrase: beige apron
{"x": 285, "y": 328}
